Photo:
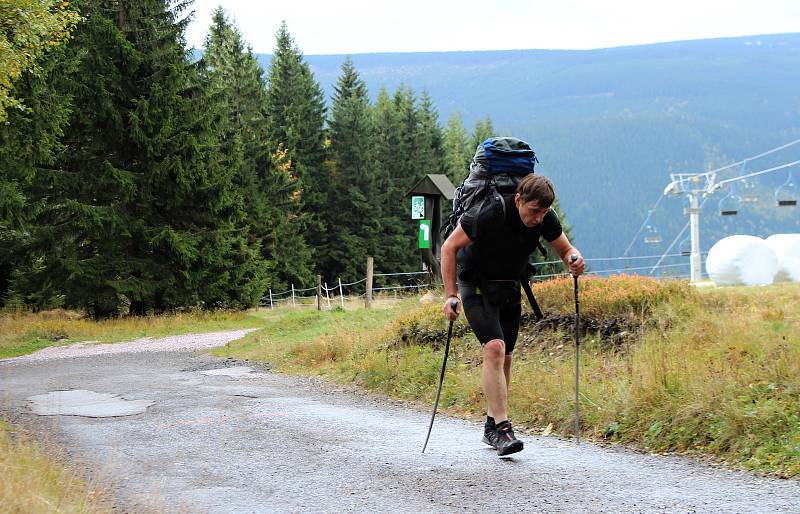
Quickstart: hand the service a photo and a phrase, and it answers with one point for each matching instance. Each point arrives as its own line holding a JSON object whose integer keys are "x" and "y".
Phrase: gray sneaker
{"x": 490, "y": 432}
{"x": 505, "y": 441}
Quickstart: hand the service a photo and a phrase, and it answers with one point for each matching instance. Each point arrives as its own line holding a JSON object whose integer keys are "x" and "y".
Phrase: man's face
{"x": 530, "y": 212}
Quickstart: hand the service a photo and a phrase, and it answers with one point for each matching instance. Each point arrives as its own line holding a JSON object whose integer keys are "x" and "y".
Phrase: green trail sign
{"x": 417, "y": 207}
{"x": 425, "y": 233}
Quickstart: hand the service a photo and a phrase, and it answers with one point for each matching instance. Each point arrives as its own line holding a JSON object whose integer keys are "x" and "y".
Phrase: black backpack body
{"x": 497, "y": 167}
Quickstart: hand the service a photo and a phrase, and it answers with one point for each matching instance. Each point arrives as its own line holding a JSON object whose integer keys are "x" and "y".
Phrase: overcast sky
{"x": 366, "y": 26}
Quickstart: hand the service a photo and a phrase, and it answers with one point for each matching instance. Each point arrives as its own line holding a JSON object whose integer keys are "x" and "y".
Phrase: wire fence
{"x": 338, "y": 294}
{"x": 396, "y": 285}
{"x": 674, "y": 265}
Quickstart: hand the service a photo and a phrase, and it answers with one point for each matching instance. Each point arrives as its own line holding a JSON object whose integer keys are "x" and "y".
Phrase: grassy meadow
{"x": 665, "y": 367}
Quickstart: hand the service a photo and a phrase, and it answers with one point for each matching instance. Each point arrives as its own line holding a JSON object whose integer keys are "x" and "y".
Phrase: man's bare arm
{"x": 456, "y": 241}
{"x": 565, "y": 250}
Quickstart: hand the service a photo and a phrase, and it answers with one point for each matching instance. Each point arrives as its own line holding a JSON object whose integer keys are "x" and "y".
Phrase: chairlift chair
{"x": 749, "y": 193}
{"x": 786, "y": 194}
{"x": 729, "y": 204}
{"x": 651, "y": 236}
{"x": 686, "y": 247}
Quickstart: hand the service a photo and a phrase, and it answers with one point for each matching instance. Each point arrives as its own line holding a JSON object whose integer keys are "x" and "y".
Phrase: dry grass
{"x": 712, "y": 372}
{"x": 35, "y": 481}
{"x": 610, "y": 296}
{"x": 717, "y": 374}
{"x": 23, "y": 332}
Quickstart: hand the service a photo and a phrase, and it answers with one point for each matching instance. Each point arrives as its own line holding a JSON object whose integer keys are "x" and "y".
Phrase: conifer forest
{"x": 139, "y": 176}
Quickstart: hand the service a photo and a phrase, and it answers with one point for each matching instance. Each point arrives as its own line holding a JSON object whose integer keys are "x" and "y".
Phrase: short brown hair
{"x": 537, "y": 187}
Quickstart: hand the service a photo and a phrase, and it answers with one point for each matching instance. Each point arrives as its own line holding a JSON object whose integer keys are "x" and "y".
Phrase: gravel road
{"x": 224, "y": 436}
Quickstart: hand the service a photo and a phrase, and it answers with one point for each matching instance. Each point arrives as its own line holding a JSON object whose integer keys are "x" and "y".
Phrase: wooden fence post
{"x": 341, "y": 292}
{"x": 294, "y": 304}
{"x": 368, "y": 293}
{"x": 270, "y": 299}
{"x": 319, "y": 292}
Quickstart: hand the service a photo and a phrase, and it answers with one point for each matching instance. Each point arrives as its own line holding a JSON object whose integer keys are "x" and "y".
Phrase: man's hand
{"x": 451, "y": 308}
{"x": 576, "y": 264}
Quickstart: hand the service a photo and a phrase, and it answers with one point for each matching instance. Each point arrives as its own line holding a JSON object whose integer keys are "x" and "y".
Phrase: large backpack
{"x": 494, "y": 172}
{"x": 496, "y": 168}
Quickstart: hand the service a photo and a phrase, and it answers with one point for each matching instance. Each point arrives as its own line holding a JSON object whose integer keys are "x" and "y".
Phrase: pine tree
{"x": 397, "y": 248}
{"x": 141, "y": 208}
{"x": 29, "y": 139}
{"x": 431, "y": 136}
{"x": 295, "y": 113}
{"x": 457, "y": 153}
{"x": 483, "y": 130}
{"x": 353, "y": 199}
{"x": 269, "y": 191}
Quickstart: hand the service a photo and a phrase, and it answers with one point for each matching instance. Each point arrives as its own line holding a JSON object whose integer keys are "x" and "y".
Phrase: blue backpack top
{"x": 496, "y": 169}
{"x": 504, "y": 155}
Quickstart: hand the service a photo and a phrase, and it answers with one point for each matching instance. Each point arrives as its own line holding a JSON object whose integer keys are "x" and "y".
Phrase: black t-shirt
{"x": 501, "y": 246}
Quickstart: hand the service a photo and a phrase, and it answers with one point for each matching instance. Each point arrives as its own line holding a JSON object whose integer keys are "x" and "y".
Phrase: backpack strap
{"x": 495, "y": 204}
{"x": 532, "y": 299}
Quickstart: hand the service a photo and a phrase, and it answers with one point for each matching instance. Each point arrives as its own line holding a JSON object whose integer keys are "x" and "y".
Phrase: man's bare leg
{"x": 507, "y": 373}
{"x": 493, "y": 379}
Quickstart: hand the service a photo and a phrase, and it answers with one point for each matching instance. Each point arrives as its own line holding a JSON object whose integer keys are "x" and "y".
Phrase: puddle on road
{"x": 232, "y": 372}
{"x": 80, "y": 402}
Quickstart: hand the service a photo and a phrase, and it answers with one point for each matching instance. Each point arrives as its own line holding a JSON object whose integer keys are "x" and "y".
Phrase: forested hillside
{"x": 138, "y": 176}
{"x": 610, "y": 125}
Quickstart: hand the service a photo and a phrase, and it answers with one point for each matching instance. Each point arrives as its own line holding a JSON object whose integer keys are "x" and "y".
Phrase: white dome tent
{"x": 742, "y": 260}
{"x": 787, "y": 250}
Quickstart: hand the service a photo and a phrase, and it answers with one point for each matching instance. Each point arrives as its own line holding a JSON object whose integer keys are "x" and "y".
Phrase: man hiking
{"x": 483, "y": 261}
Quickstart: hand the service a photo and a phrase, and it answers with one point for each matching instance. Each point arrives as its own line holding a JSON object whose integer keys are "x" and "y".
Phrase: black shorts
{"x": 493, "y": 313}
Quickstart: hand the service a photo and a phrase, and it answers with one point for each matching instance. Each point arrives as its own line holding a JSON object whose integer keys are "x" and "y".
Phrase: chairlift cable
{"x": 743, "y": 161}
{"x": 644, "y": 224}
{"x": 756, "y": 173}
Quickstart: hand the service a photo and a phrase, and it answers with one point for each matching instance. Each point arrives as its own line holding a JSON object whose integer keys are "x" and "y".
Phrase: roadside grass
{"x": 35, "y": 481}
{"x": 311, "y": 341}
{"x": 22, "y": 333}
{"x": 712, "y": 372}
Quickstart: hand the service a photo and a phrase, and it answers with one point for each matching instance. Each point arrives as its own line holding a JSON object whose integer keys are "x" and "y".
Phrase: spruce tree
{"x": 141, "y": 208}
{"x": 431, "y": 136}
{"x": 483, "y": 130}
{"x": 457, "y": 153}
{"x": 353, "y": 200}
{"x": 295, "y": 113}
{"x": 269, "y": 190}
{"x": 29, "y": 139}
{"x": 395, "y": 250}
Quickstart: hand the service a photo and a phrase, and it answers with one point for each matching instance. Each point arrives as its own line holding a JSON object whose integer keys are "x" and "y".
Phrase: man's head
{"x": 535, "y": 194}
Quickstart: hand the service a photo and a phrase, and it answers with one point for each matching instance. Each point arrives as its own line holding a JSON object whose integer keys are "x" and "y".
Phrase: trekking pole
{"x": 453, "y": 305}
{"x": 574, "y": 258}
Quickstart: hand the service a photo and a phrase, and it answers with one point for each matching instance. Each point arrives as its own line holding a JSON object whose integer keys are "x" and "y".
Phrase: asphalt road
{"x": 249, "y": 440}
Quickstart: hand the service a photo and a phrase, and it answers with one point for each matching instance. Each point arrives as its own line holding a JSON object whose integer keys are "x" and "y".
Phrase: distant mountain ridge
{"x": 610, "y": 124}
